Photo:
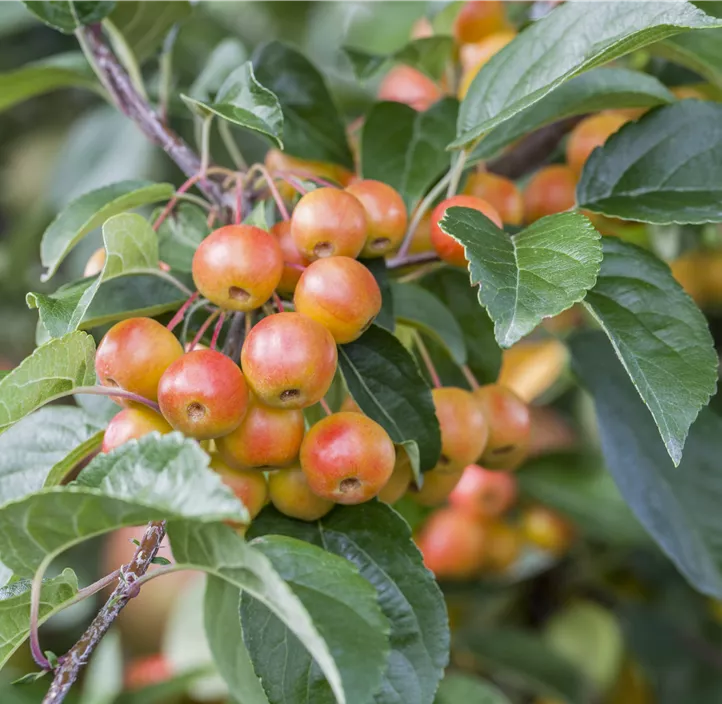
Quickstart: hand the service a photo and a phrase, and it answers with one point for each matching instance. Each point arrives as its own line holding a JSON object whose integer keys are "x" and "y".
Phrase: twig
{"x": 115, "y": 392}
{"x": 400, "y": 261}
{"x": 72, "y": 662}
{"x": 133, "y": 105}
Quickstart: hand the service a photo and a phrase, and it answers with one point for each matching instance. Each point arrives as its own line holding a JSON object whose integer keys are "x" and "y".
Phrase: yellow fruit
{"x": 530, "y": 368}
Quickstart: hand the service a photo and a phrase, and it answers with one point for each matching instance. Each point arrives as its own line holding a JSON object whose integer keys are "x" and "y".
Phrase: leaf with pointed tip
{"x": 407, "y": 149}
{"x": 535, "y": 274}
{"x": 659, "y": 335}
{"x": 599, "y": 89}
{"x": 15, "y": 608}
{"x": 51, "y": 371}
{"x": 67, "y": 15}
{"x": 242, "y": 100}
{"x": 384, "y": 380}
{"x": 418, "y": 308}
{"x": 573, "y": 38}
{"x": 664, "y": 168}
{"x": 312, "y": 126}
{"x": 378, "y": 541}
{"x": 131, "y": 246}
{"x": 154, "y": 478}
{"x": 90, "y": 211}
{"x": 43, "y": 445}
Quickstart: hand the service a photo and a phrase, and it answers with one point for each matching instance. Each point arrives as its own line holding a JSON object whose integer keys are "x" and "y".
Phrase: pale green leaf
{"x": 457, "y": 688}
{"x": 66, "y": 15}
{"x": 428, "y": 54}
{"x": 535, "y": 274}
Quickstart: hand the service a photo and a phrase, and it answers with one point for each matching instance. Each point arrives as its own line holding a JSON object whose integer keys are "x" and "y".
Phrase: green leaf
{"x": 452, "y": 288}
{"x": 312, "y": 128}
{"x": 51, "y": 371}
{"x": 457, "y": 688}
{"x": 677, "y": 506}
{"x": 428, "y": 54}
{"x": 144, "y": 25}
{"x": 68, "y": 70}
{"x": 67, "y": 16}
{"x": 535, "y": 274}
{"x": 664, "y": 168}
{"x": 573, "y": 38}
{"x": 227, "y": 56}
{"x": 131, "y": 245}
{"x": 90, "y": 211}
{"x": 417, "y": 307}
{"x": 333, "y": 593}
{"x": 15, "y": 609}
{"x": 180, "y": 234}
{"x": 39, "y": 445}
{"x": 700, "y": 51}
{"x": 600, "y": 89}
{"x": 589, "y": 636}
{"x": 225, "y": 639}
{"x": 378, "y": 541}
{"x": 219, "y": 551}
{"x": 659, "y": 335}
{"x": 526, "y": 660}
{"x": 405, "y": 148}
{"x": 384, "y": 380}
{"x": 154, "y": 478}
{"x": 580, "y": 488}
{"x": 243, "y": 101}
{"x": 385, "y": 318}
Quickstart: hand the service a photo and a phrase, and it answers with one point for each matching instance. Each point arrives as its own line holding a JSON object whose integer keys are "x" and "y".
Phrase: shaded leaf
{"x": 131, "y": 245}
{"x": 180, "y": 234}
{"x": 154, "y": 478}
{"x": 312, "y": 128}
{"x": 677, "y": 506}
{"x": 90, "y": 211}
{"x": 659, "y": 335}
{"x": 385, "y": 318}
{"x": 417, "y": 307}
{"x": 665, "y": 168}
{"x": 228, "y": 55}
{"x": 242, "y": 100}
{"x": 384, "y": 380}
{"x": 51, "y": 371}
{"x": 452, "y": 288}
{"x": 535, "y": 274}
{"x": 333, "y": 593}
{"x": 407, "y": 149}
{"x": 378, "y": 541}
{"x": 456, "y": 688}
{"x": 599, "y": 89}
{"x": 573, "y": 38}
{"x": 66, "y": 16}
{"x": 700, "y": 51}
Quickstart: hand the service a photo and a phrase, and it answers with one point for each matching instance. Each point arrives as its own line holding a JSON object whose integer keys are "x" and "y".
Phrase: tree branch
{"x": 134, "y": 106}
{"x": 71, "y": 663}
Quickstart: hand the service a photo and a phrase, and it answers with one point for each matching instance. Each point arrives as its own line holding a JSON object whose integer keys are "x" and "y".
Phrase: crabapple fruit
{"x": 405, "y": 84}
{"x": 464, "y": 428}
{"x": 329, "y": 222}
{"x": 475, "y": 56}
{"x": 237, "y": 267}
{"x": 503, "y": 546}
{"x": 551, "y": 190}
{"x": 437, "y": 485}
{"x": 249, "y": 485}
{"x": 590, "y": 133}
{"x": 453, "y": 544}
{"x": 95, "y": 262}
{"x": 509, "y": 424}
{"x": 291, "y": 495}
{"x": 293, "y": 261}
{"x": 341, "y": 294}
{"x": 477, "y": 20}
{"x": 500, "y": 192}
{"x": 546, "y": 529}
{"x": 399, "y": 481}
{"x": 446, "y": 246}
{"x": 266, "y": 437}
{"x": 484, "y": 493}
{"x": 289, "y": 360}
{"x": 203, "y": 394}
{"x": 132, "y": 423}
{"x": 133, "y": 355}
{"x": 347, "y": 458}
{"x": 386, "y": 216}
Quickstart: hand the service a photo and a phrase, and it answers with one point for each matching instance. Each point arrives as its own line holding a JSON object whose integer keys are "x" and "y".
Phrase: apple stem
{"x": 239, "y": 200}
{"x": 113, "y": 392}
{"x": 326, "y": 407}
{"x": 203, "y": 328}
{"x": 470, "y": 377}
{"x": 217, "y": 330}
{"x": 178, "y": 317}
{"x": 279, "y": 303}
{"x": 435, "y": 379}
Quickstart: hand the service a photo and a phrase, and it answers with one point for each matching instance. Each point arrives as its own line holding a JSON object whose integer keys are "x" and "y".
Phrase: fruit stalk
{"x": 71, "y": 663}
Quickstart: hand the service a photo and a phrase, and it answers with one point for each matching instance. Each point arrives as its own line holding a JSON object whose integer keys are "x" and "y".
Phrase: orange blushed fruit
{"x": 551, "y": 190}
{"x": 400, "y": 479}
{"x": 249, "y": 485}
{"x": 293, "y": 261}
{"x": 464, "y": 429}
{"x": 291, "y": 495}
{"x": 477, "y": 20}
{"x": 131, "y": 424}
{"x": 590, "y": 133}
{"x": 484, "y": 493}
{"x": 405, "y": 84}
{"x": 500, "y": 192}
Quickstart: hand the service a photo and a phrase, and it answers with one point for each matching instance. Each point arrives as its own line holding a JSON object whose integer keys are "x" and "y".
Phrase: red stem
{"x": 326, "y": 407}
{"x": 178, "y": 317}
{"x": 470, "y": 377}
{"x": 274, "y": 191}
{"x": 435, "y": 380}
{"x": 217, "y": 330}
{"x": 239, "y": 200}
{"x": 203, "y": 329}
{"x": 279, "y": 303}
